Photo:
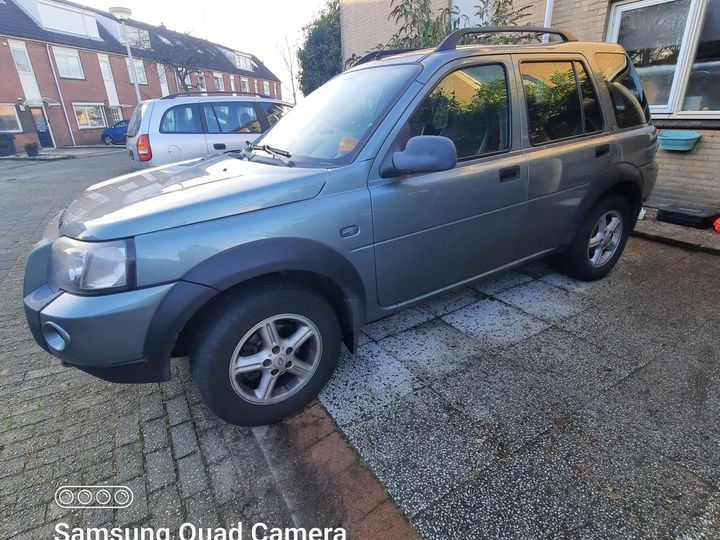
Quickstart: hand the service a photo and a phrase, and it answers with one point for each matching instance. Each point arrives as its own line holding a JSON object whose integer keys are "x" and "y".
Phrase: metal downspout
{"x": 62, "y": 99}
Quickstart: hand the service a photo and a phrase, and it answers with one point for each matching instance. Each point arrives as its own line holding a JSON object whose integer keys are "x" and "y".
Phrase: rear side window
{"x": 181, "y": 119}
{"x": 470, "y": 106}
{"x": 626, "y": 92}
{"x": 231, "y": 117}
{"x": 274, "y": 111}
{"x": 591, "y": 105}
{"x": 561, "y": 101}
{"x": 136, "y": 120}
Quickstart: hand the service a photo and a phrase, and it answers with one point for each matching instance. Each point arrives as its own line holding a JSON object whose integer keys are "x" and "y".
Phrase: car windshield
{"x": 330, "y": 126}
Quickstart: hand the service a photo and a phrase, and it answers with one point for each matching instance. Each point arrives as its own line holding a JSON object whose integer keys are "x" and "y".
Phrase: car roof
{"x": 196, "y": 98}
{"x": 433, "y": 58}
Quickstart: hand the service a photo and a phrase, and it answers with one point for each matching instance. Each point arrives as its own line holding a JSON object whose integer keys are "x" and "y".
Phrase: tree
{"x": 184, "y": 55}
{"x": 289, "y": 56}
{"x": 419, "y": 26}
{"x": 320, "y": 55}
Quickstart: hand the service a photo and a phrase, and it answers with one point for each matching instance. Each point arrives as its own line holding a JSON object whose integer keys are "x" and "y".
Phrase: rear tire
{"x": 265, "y": 354}
{"x": 108, "y": 140}
{"x": 600, "y": 240}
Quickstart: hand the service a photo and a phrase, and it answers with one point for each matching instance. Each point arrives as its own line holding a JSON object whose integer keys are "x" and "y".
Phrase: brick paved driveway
{"x": 59, "y": 426}
{"x": 527, "y": 406}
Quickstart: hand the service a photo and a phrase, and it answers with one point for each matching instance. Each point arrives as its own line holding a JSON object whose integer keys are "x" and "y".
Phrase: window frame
{"x": 21, "y": 50}
{"x": 686, "y": 57}
{"x": 217, "y": 76}
{"x": 115, "y": 109}
{"x": 571, "y": 59}
{"x": 65, "y": 52}
{"x": 508, "y": 86}
{"x": 139, "y": 64}
{"x": 101, "y": 106}
{"x": 14, "y": 108}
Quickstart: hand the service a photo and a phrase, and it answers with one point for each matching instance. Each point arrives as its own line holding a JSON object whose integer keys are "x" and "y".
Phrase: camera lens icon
{"x": 93, "y": 496}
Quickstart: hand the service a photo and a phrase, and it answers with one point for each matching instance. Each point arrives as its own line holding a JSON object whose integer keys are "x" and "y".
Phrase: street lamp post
{"x": 123, "y": 14}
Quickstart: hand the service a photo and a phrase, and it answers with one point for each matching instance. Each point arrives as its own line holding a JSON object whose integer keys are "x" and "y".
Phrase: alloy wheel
{"x": 605, "y": 238}
{"x": 275, "y": 358}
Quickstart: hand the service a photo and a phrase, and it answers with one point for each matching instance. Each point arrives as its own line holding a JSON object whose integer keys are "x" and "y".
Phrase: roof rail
{"x": 216, "y": 92}
{"x": 376, "y": 55}
{"x": 451, "y": 42}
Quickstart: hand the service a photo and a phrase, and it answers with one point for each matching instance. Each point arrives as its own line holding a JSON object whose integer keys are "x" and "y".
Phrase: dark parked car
{"x": 115, "y": 134}
{"x": 397, "y": 180}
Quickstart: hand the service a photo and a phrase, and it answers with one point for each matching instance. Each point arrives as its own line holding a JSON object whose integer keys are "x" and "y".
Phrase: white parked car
{"x": 181, "y": 126}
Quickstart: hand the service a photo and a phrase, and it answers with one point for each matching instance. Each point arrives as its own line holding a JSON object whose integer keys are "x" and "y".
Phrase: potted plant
{"x": 32, "y": 149}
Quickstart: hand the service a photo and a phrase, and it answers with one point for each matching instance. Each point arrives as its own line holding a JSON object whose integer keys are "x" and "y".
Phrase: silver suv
{"x": 179, "y": 127}
{"x": 403, "y": 177}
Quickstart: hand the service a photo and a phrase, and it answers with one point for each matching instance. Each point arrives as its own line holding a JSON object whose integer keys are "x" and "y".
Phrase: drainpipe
{"x": 62, "y": 100}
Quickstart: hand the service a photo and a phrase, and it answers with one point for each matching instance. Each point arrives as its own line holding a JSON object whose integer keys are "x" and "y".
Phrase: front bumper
{"x": 103, "y": 335}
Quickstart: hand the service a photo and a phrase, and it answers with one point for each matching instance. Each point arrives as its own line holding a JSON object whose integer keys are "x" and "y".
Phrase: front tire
{"x": 108, "y": 140}
{"x": 264, "y": 355}
{"x": 600, "y": 240}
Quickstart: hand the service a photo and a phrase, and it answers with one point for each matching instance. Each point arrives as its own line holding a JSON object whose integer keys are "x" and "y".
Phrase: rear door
{"x": 230, "y": 124}
{"x": 568, "y": 144}
{"x": 179, "y": 134}
{"x": 434, "y": 230}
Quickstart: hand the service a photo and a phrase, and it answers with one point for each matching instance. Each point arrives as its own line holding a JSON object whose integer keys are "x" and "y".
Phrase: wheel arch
{"x": 295, "y": 261}
{"x": 622, "y": 178}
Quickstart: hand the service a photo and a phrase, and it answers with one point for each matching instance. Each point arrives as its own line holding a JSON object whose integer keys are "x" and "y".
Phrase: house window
{"x": 139, "y": 71}
{"x": 202, "y": 84}
{"x": 232, "y": 83}
{"x": 256, "y": 86}
{"x": 219, "y": 83}
{"x": 243, "y": 62}
{"x": 244, "y": 85}
{"x": 137, "y": 37}
{"x": 266, "y": 88}
{"x": 90, "y": 115}
{"x": 675, "y": 47}
{"x": 115, "y": 115}
{"x": 9, "y": 120}
{"x": 22, "y": 61}
{"x": 68, "y": 63}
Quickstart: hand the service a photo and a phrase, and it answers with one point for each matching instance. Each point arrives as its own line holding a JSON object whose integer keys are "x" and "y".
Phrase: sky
{"x": 257, "y": 27}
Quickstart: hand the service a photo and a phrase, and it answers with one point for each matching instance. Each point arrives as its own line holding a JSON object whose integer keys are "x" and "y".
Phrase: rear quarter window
{"x": 626, "y": 91}
{"x": 274, "y": 111}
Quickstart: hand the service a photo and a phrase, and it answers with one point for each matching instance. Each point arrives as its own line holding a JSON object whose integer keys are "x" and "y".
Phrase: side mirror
{"x": 425, "y": 153}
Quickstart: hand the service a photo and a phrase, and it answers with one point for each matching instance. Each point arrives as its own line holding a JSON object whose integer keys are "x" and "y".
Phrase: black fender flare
{"x": 613, "y": 176}
{"x": 240, "y": 264}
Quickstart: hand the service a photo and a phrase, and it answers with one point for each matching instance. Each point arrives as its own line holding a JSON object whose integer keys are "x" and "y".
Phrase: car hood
{"x": 185, "y": 193}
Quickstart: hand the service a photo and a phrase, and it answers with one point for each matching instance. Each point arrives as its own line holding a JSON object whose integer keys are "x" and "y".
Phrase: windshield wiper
{"x": 274, "y": 152}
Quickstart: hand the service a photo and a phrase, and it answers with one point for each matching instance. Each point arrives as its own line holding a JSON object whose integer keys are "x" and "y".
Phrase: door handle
{"x": 509, "y": 174}
{"x": 602, "y": 149}
{"x": 219, "y": 146}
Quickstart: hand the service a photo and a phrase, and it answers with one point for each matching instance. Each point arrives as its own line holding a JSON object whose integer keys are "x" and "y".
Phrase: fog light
{"x": 56, "y": 338}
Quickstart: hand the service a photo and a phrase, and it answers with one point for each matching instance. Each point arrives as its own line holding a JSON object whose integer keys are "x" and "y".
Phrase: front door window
{"x": 42, "y": 128}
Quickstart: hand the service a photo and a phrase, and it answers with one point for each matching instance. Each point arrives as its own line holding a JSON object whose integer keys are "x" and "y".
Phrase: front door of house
{"x": 42, "y": 127}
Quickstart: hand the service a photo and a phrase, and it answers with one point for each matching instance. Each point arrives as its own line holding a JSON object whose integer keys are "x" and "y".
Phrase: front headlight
{"x": 88, "y": 267}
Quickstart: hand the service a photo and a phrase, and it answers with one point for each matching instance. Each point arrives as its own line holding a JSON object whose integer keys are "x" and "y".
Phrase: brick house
{"x": 675, "y": 45}
{"x": 66, "y": 74}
